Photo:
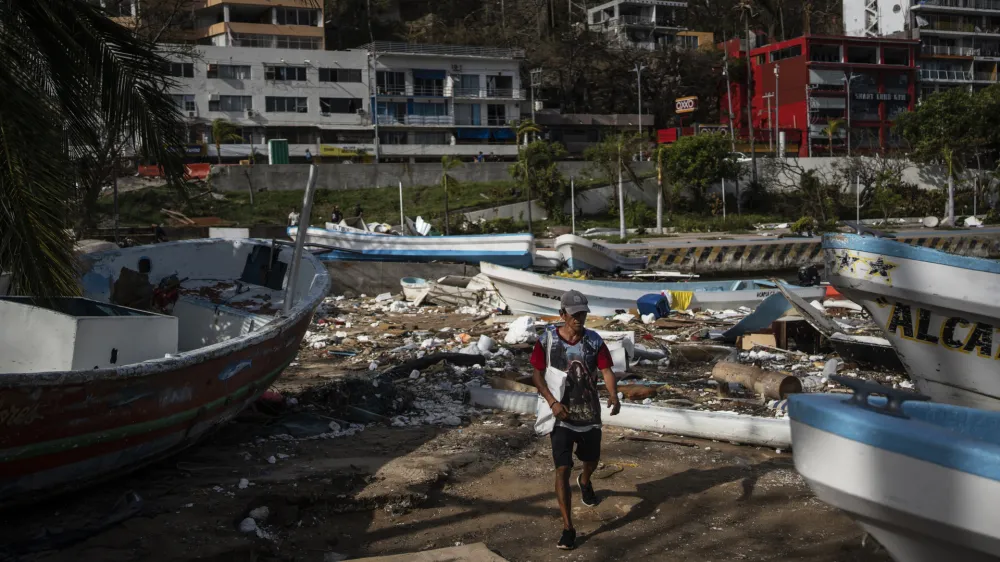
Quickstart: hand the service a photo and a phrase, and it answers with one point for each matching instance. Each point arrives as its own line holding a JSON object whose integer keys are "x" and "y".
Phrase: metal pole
{"x": 621, "y": 200}
{"x": 374, "y": 98}
{"x": 753, "y": 142}
{"x": 850, "y": 77}
{"x": 729, "y": 99}
{"x": 808, "y": 123}
{"x": 402, "y": 218}
{"x": 115, "y": 173}
{"x": 770, "y": 145}
{"x": 723, "y": 199}
{"x": 777, "y": 109}
{"x": 300, "y": 240}
{"x": 638, "y": 76}
{"x": 572, "y": 201}
{"x": 857, "y": 193}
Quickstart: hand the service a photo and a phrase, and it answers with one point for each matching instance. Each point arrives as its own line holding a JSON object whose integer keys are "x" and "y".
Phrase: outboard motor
{"x": 809, "y": 276}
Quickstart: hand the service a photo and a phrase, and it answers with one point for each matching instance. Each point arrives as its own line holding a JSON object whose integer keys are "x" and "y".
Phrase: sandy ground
{"x": 398, "y": 490}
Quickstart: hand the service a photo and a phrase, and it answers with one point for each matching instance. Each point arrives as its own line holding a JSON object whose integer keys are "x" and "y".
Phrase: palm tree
{"x": 224, "y": 132}
{"x": 524, "y": 129}
{"x": 74, "y": 82}
{"x": 833, "y": 127}
{"x": 659, "y": 153}
{"x": 448, "y": 163}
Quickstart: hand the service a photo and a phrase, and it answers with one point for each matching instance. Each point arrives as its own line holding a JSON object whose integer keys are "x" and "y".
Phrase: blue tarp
{"x": 473, "y": 133}
{"x": 503, "y": 134}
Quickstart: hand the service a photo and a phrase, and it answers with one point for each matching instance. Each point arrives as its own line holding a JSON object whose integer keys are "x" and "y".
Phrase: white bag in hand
{"x": 555, "y": 380}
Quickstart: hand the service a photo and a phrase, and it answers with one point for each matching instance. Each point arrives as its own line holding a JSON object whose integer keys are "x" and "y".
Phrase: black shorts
{"x": 588, "y": 445}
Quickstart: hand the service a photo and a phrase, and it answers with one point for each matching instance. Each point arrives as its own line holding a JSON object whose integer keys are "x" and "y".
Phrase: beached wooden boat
{"x": 940, "y": 312}
{"x": 582, "y": 254}
{"x": 922, "y": 478}
{"x": 526, "y": 292}
{"x": 515, "y": 250}
{"x": 90, "y": 389}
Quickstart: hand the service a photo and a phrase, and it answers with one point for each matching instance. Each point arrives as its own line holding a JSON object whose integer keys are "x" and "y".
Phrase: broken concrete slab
{"x": 477, "y": 552}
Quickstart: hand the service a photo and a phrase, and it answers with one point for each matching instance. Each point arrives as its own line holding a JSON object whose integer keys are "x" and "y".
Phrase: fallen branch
{"x": 421, "y": 363}
{"x": 680, "y": 442}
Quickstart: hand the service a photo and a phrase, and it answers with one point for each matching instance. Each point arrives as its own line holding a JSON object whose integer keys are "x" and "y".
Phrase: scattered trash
{"x": 248, "y": 526}
{"x": 260, "y": 514}
{"x": 521, "y": 330}
{"x": 244, "y": 483}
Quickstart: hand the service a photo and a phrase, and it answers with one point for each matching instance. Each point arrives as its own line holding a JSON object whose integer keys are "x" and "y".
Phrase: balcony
{"x": 416, "y": 120}
{"x": 438, "y": 150}
{"x": 949, "y": 51}
{"x": 443, "y": 50}
{"x": 989, "y": 77}
{"x": 957, "y": 27}
{"x": 957, "y": 5}
{"x": 489, "y": 122}
{"x": 946, "y": 75}
{"x": 489, "y": 93}
{"x": 412, "y": 91}
{"x": 638, "y": 21}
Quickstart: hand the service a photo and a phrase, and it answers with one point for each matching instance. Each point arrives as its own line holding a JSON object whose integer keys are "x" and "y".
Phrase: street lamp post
{"x": 729, "y": 99}
{"x": 848, "y": 79}
{"x": 777, "y": 111}
{"x": 638, "y": 76}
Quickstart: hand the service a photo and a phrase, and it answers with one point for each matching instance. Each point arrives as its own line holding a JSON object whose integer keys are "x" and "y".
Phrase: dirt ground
{"x": 397, "y": 490}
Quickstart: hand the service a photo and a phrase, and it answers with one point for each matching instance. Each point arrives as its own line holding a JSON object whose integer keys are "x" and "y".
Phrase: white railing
{"x": 946, "y": 75}
{"x": 964, "y": 4}
{"x": 444, "y": 50}
{"x": 953, "y": 51}
{"x": 498, "y": 93}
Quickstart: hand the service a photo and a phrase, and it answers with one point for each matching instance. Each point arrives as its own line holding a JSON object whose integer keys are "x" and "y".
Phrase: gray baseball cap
{"x": 574, "y": 302}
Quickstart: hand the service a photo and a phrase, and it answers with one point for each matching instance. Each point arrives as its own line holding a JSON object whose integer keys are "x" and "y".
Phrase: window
{"x": 761, "y": 59}
{"x": 896, "y": 56}
{"x": 229, "y": 71}
{"x": 252, "y": 40}
{"x": 181, "y": 69}
{"x": 862, "y": 55}
{"x": 496, "y": 114}
{"x": 339, "y": 75}
{"x": 339, "y": 105}
{"x": 392, "y": 137}
{"x": 423, "y": 137}
{"x": 295, "y": 16}
{"x": 468, "y": 81}
{"x": 286, "y": 73}
{"x": 499, "y": 86}
{"x": 291, "y": 42}
{"x": 346, "y": 137}
{"x": 786, "y": 53}
{"x": 273, "y": 104}
{"x": 688, "y": 41}
{"x": 243, "y": 136}
{"x": 294, "y": 135}
{"x": 184, "y": 102}
{"x": 390, "y": 83}
{"x": 824, "y": 53}
{"x": 231, "y": 103}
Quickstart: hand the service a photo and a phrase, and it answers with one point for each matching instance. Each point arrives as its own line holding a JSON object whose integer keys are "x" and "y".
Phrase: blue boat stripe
{"x": 906, "y": 251}
{"x": 963, "y": 439}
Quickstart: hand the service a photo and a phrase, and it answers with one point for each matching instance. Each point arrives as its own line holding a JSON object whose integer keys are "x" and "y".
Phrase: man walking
{"x": 581, "y": 354}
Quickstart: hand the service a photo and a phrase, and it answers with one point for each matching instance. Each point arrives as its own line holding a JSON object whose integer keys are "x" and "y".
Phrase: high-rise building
{"x": 276, "y": 24}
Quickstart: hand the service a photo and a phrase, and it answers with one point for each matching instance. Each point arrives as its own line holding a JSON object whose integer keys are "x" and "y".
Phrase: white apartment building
{"x": 436, "y": 100}
{"x": 316, "y": 100}
{"x": 432, "y": 101}
{"x": 959, "y": 39}
{"x": 643, "y": 24}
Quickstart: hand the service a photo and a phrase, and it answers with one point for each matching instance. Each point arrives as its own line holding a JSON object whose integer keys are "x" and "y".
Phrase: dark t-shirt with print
{"x": 582, "y": 361}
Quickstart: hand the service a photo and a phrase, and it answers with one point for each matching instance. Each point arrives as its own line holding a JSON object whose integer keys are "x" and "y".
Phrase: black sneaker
{"x": 586, "y": 492}
{"x": 567, "y": 539}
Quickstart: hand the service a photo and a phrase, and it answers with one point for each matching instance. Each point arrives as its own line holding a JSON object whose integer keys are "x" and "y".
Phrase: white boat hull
{"x": 515, "y": 250}
{"x": 943, "y": 319}
{"x": 532, "y": 293}
{"x": 918, "y": 510}
{"x": 582, "y": 254}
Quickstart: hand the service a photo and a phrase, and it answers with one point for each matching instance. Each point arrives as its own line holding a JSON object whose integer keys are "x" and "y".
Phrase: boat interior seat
{"x": 202, "y": 322}
{"x": 737, "y": 285}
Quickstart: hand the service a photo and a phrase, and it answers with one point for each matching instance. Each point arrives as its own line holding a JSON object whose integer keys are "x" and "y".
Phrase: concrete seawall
{"x": 772, "y": 255}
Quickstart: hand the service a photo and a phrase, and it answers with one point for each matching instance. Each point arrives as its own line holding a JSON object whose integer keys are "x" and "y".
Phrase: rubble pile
{"x": 386, "y": 360}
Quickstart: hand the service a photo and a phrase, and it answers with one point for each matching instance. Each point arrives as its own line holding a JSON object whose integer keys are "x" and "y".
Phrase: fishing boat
{"x": 939, "y": 311}
{"x": 166, "y": 343}
{"x": 581, "y": 254}
{"x": 526, "y": 292}
{"x": 515, "y": 250}
{"x": 922, "y": 478}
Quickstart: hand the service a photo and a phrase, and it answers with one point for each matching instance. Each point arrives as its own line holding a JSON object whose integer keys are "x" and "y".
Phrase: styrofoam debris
{"x": 243, "y": 484}
{"x": 383, "y": 297}
{"x": 624, "y": 318}
{"x": 260, "y": 514}
{"x": 373, "y": 366}
{"x": 521, "y": 330}
{"x": 648, "y": 318}
{"x": 414, "y": 374}
{"x": 364, "y": 339}
{"x": 486, "y": 343}
{"x": 248, "y": 526}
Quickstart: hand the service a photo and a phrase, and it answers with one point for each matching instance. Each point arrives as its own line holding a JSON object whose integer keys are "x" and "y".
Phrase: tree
{"x": 943, "y": 129}
{"x": 448, "y": 163}
{"x": 73, "y": 82}
{"x": 224, "y": 132}
{"x": 537, "y": 171}
{"x": 523, "y": 129}
{"x": 831, "y": 130}
{"x": 613, "y": 157}
{"x": 698, "y": 162}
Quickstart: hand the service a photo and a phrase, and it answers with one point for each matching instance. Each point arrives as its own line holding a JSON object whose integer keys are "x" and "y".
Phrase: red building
{"x": 814, "y": 76}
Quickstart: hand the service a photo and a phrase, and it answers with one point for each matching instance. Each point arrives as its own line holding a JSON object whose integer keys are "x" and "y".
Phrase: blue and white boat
{"x": 526, "y": 292}
{"x": 582, "y": 254}
{"x": 515, "y": 250}
{"x": 922, "y": 478}
{"x": 940, "y": 311}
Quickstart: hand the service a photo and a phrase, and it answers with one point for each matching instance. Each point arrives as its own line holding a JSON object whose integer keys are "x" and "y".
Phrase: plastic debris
{"x": 521, "y": 330}
{"x": 260, "y": 514}
{"x": 248, "y": 526}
